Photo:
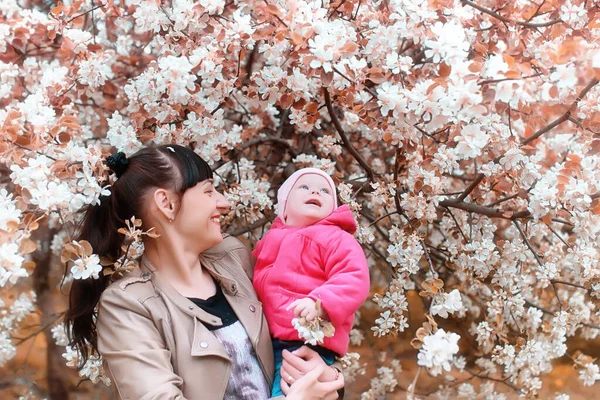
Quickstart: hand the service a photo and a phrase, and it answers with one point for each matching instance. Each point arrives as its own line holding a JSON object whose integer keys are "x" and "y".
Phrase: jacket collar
{"x": 183, "y": 303}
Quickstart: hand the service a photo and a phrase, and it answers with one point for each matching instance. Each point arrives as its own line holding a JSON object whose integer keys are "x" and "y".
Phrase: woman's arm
{"x": 133, "y": 349}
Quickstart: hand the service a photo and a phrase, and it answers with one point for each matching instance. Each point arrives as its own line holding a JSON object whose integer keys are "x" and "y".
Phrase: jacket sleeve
{"x": 133, "y": 349}
{"x": 347, "y": 284}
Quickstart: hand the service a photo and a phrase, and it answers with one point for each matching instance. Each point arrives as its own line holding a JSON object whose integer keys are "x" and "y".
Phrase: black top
{"x": 218, "y": 306}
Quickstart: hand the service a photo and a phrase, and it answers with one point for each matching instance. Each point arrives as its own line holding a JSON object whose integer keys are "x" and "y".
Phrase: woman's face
{"x": 198, "y": 217}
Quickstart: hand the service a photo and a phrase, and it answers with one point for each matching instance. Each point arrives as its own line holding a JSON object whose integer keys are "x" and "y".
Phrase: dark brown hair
{"x": 166, "y": 166}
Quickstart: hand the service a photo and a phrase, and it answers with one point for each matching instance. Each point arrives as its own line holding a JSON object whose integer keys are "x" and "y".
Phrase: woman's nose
{"x": 222, "y": 202}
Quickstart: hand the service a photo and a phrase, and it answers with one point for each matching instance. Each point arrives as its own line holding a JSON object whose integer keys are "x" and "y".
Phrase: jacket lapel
{"x": 204, "y": 343}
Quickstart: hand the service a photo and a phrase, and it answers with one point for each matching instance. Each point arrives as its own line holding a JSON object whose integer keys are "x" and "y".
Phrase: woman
{"x": 186, "y": 324}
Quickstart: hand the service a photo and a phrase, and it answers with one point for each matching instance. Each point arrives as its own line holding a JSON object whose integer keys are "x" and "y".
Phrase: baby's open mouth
{"x": 314, "y": 202}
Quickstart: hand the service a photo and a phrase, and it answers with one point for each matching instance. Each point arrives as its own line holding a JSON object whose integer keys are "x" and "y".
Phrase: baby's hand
{"x": 306, "y": 308}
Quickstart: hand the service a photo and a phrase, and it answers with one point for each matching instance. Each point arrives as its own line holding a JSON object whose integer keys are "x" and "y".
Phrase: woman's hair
{"x": 166, "y": 166}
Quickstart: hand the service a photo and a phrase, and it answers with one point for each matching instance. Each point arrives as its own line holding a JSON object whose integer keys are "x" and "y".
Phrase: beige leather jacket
{"x": 154, "y": 343}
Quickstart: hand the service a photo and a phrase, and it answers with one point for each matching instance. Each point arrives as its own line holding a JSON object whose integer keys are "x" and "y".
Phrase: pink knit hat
{"x": 284, "y": 190}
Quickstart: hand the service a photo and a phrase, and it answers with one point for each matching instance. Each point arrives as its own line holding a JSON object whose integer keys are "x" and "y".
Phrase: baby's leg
{"x": 278, "y": 347}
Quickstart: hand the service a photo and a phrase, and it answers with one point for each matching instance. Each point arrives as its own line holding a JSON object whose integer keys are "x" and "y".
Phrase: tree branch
{"x": 342, "y": 134}
{"x": 458, "y": 225}
{"x": 250, "y": 227}
{"x": 563, "y": 117}
{"x": 526, "y": 24}
{"x": 260, "y": 140}
{"x": 528, "y": 244}
{"x": 483, "y": 210}
{"x": 489, "y": 81}
{"x": 471, "y": 187}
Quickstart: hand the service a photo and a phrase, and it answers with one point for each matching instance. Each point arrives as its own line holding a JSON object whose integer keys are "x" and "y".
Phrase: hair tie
{"x": 118, "y": 163}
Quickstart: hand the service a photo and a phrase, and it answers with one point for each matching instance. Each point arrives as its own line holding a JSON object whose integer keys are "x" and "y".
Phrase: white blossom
{"x": 438, "y": 351}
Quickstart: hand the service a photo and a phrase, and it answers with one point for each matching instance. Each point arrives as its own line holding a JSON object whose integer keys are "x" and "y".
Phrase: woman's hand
{"x": 303, "y": 361}
{"x": 308, "y": 387}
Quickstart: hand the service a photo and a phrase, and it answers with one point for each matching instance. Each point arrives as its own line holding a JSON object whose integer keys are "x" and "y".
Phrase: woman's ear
{"x": 166, "y": 202}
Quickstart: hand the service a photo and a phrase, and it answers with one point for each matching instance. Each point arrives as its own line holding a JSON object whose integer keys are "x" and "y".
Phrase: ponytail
{"x": 99, "y": 227}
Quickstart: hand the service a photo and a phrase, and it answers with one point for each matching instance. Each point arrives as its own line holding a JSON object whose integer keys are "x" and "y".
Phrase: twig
{"x": 42, "y": 329}
{"x": 507, "y": 20}
{"x": 483, "y": 210}
{"x": 383, "y": 217}
{"x": 342, "y": 134}
{"x": 85, "y": 13}
{"x": 510, "y": 385}
{"x": 569, "y": 284}
{"x": 528, "y": 244}
{"x": 558, "y": 236}
{"x": 433, "y": 271}
{"x": 563, "y": 117}
{"x": 250, "y": 227}
{"x": 369, "y": 90}
{"x": 268, "y": 139}
{"x": 458, "y": 225}
{"x": 514, "y": 196}
{"x": 490, "y": 81}
{"x": 471, "y": 187}
{"x": 546, "y": 311}
{"x": 535, "y": 14}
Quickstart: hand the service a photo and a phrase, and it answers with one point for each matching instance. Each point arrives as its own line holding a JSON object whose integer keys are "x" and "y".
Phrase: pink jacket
{"x": 320, "y": 261}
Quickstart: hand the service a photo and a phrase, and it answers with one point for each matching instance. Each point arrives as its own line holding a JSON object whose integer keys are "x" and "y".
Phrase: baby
{"x": 309, "y": 254}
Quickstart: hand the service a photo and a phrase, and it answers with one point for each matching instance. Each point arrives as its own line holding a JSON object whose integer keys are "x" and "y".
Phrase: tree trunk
{"x": 57, "y": 388}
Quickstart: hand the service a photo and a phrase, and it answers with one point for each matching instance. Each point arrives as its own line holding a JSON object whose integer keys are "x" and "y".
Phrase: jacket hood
{"x": 341, "y": 217}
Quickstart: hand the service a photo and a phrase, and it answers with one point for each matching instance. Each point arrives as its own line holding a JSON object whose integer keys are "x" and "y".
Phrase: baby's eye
{"x": 326, "y": 191}
{"x": 303, "y": 187}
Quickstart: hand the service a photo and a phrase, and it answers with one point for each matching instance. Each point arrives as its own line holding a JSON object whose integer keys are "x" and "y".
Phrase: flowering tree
{"x": 464, "y": 136}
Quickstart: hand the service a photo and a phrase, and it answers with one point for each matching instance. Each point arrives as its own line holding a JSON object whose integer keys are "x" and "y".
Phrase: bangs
{"x": 191, "y": 166}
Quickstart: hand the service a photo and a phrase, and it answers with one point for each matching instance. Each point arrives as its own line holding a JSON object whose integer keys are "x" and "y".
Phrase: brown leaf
{"x": 152, "y": 234}
{"x": 65, "y": 256}
{"x": 297, "y": 38}
{"x": 12, "y": 226}
{"x": 28, "y": 265}
{"x": 273, "y": 9}
{"x": 444, "y": 70}
{"x": 27, "y": 246}
{"x": 105, "y": 261}
{"x": 327, "y": 328}
{"x": 326, "y": 78}
{"x": 87, "y": 247}
{"x": 57, "y": 10}
{"x": 299, "y": 105}
{"x": 547, "y": 219}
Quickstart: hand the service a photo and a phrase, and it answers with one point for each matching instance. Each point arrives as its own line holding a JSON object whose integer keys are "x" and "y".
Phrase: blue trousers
{"x": 279, "y": 345}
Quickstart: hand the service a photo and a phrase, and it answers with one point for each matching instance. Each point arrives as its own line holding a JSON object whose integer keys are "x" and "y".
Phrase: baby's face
{"x": 309, "y": 201}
